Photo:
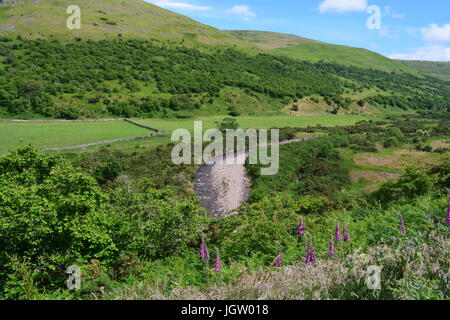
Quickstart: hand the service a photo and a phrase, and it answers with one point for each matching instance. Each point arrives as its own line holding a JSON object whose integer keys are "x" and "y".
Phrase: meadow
{"x": 43, "y": 135}
{"x": 256, "y": 122}
{"x": 61, "y": 134}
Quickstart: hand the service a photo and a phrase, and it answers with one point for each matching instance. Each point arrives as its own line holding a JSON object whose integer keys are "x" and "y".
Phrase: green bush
{"x": 52, "y": 216}
{"x": 109, "y": 170}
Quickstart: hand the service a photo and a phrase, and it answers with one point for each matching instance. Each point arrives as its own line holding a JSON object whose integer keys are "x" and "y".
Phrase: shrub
{"x": 109, "y": 170}
{"x": 227, "y": 123}
{"x": 50, "y": 214}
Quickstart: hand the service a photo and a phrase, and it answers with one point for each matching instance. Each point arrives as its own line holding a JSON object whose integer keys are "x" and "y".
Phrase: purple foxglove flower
{"x": 314, "y": 256}
{"x": 204, "y": 253}
{"x": 278, "y": 262}
{"x": 217, "y": 266}
{"x": 301, "y": 229}
{"x": 346, "y": 234}
{"x": 331, "y": 249}
{"x": 448, "y": 213}
{"x": 337, "y": 232}
{"x": 402, "y": 225}
{"x": 308, "y": 253}
{"x": 311, "y": 255}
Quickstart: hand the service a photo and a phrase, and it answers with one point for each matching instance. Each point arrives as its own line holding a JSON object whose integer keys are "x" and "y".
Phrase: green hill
{"x": 439, "y": 70}
{"x": 104, "y": 19}
{"x": 108, "y": 19}
{"x": 52, "y": 71}
{"x": 270, "y": 40}
{"x": 312, "y": 50}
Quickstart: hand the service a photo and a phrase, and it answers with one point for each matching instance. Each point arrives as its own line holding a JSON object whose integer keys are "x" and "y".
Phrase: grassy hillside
{"x": 105, "y": 19}
{"x": 343, "y": 55}
{"x": 130, "y": 71}
{"x": 270, "y": 40}
{"x": 108, "y": 19}
{"x": 134, "y": 78}
{"x": 435, "y": 69}
{"x": 312, "y": 50}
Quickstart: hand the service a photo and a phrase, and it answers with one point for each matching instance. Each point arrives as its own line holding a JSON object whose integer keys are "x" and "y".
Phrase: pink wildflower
{"x": 331, "y": 250}
{"x": 338, "y": 232}
{"x": 310, "y": 254}
{"x": 301, "y": 229}
{"x": 448, "y": 213}
{"x": 217, "y": 266}
{"x": 204, "y": 253}
{"x": 278, "y": 262}
{"x": 346, "y": 234}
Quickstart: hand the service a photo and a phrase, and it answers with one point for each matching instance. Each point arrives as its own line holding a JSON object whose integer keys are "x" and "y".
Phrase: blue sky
{"x": 408, "y": 29}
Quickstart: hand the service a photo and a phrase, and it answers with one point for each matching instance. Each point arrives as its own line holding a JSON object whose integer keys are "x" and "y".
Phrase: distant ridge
{"x": 306, "y": 49}
{"x": 440, "y": 70}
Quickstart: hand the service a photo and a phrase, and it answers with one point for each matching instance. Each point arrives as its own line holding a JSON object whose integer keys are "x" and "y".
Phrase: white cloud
{"x": 388, "y": 11}
{"x": 343, "y": 5}
{"x": 241, "y": 10}
{"x": 398, "y": 15}
{"x": 434, "y": 33}
{"x": 179, "y": 5}
{"x": 430, "y": 53}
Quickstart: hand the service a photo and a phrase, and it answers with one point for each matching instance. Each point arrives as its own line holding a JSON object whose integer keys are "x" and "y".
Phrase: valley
{"x": 88, "y": 177}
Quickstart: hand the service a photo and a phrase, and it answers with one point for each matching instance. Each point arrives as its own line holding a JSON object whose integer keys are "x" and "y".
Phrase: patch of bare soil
{"x": 440, "y": 144}
{"x": 398, "y": 160}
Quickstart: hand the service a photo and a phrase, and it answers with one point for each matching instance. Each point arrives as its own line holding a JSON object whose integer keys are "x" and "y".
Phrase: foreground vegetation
{"x": 129, "y": 219}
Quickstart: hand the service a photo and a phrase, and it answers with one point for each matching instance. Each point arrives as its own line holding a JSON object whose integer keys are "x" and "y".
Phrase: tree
{"x": 227, "y": 123}
{"x": 32, "y": 95}
{"x": 53, "y": 216}
{"x": 50, "y": 214}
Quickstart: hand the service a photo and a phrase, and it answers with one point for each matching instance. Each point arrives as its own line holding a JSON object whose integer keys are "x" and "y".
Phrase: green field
{"x": 61, "y": 134}
{"x": 246, "y": 122}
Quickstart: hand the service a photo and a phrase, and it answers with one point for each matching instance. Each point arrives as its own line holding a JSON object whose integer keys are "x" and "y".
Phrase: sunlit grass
{"x": 62, "y": 134}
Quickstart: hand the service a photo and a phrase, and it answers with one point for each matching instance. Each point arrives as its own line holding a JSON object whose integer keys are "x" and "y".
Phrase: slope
{"x": 312, "y": 50}
{"x": 435, "y": 69}
{"x": 270, "y": 40}
{"x": 104, "y": 19}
